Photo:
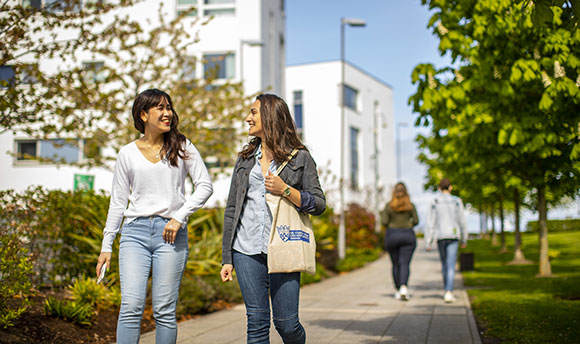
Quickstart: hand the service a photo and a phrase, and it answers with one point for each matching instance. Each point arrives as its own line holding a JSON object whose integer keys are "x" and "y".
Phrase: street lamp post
{"x": 354, "y": 22}
{"x": 399, "y": 124}
{"x": 251, "y": 43}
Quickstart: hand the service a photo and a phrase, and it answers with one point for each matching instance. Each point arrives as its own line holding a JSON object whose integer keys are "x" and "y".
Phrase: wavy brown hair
{"x": 173, "y": 141}
{"x": 400, "y": 200}
{"x": 279, "y": 129}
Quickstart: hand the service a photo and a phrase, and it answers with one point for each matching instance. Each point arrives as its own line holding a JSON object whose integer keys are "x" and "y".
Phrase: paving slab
{"x": 358, "y": 307}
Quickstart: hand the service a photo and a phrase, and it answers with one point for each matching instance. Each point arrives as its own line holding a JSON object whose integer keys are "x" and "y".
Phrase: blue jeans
{"x": 448, "y": 255}
{"x": 142, "y": 249}
{"x": 254, "y": 280}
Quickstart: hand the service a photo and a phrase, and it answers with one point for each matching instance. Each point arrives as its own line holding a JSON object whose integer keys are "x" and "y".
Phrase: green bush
{"x": 86, "y": 290}
{"x": 73, "y": 311}
{"x": 15, "y": 277}
{"x": 358, "y": 257}
{"x": 321, "y": 273}
{"x": 555, "y": 225}
{"x": 56, "y": 226}
{"x": 203, "y": 294}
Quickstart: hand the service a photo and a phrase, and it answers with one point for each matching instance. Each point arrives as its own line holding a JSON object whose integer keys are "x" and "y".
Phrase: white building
{"x": 313, "y": 95}
{"x": 245, "y": 36}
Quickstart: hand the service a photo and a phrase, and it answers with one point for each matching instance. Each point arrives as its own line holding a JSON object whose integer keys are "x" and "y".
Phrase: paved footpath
{"x": 358, "y": 307}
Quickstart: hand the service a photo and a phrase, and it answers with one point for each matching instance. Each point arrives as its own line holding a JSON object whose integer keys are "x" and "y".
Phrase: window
{"x": 298, "y": 109}
{"x": 54, "y": 149}
{"x": 26, "y": 150}
{"x": 219, "y": 12}
{"x": 187, "y": 6}
{"x": 32, "y": 3}
{"x": 94, "y": 71}
{"x": 220, "y": 66}
{"x": 350, "y": 97}
{"x": 26, "y": 75}
{"x": 6, "y": 76}
{"x": 214, "y": 2}
{"x": 354, "y": 158}
{"x": 61, "y": 5}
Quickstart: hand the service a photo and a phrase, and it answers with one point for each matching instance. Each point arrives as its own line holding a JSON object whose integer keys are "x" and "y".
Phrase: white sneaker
{"x": 448, "y": 297}
{"x": 397, "y": 295}
{"x": 404, "y": 291}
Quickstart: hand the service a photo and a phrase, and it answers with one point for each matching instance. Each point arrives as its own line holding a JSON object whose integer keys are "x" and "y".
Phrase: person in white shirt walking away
{"x": 447, "y": 226}
{"x": 150, "y": 176}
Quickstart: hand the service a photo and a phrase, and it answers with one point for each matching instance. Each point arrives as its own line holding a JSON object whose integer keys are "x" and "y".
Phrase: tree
{"x": 92, "y": 101}
{"x": 514, "y": 83}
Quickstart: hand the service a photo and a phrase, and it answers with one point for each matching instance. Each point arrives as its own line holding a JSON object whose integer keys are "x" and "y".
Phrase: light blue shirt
{"x": 253, "y": 232}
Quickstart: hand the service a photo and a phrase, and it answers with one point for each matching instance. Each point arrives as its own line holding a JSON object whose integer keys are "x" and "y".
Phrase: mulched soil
{"x": 36, "y": 327}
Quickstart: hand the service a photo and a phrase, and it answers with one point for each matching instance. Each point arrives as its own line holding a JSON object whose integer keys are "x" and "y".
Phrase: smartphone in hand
{"x": 102, "y": 274}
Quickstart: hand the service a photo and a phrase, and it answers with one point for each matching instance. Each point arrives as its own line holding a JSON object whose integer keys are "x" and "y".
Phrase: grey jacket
{"x": 300, "y": 173}
{"x": 446, "y": 220}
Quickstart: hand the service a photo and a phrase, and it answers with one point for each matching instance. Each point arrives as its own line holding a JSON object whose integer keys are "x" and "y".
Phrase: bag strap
{"x": 286, "y": 162}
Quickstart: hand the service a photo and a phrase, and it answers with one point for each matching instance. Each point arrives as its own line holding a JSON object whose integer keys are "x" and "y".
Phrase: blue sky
{"x": 394, "y": 41}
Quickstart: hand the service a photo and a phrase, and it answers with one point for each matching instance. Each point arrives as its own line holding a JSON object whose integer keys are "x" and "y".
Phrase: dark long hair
{"x": 400, "y": 201}
{"x": 173, "y": 140}
{"x": 279, "y": 129}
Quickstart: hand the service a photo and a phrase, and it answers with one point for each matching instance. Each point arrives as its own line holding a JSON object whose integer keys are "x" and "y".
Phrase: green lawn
{"x": 514, "y": 305}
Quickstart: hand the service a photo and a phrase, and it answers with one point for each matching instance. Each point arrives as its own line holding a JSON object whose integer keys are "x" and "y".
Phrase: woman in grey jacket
{"x": 247, "y": 218}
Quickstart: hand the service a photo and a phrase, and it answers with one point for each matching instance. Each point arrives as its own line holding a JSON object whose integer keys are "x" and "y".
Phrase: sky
{"x": 394, "y": 41}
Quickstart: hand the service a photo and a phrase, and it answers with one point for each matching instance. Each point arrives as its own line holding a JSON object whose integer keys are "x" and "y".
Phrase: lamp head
{"x": 354, "y": 22}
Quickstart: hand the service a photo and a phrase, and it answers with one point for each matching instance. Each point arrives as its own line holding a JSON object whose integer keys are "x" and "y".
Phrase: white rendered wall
{"x": 263, "y": 71}
{"x": 320, "y": 83}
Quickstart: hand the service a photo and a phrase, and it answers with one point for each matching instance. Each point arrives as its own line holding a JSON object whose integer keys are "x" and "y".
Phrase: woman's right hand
{"x": 104, "y": 258}
{"x": 226, "y": 273}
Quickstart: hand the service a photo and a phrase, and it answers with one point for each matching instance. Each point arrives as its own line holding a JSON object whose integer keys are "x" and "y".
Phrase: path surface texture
{"x": 359, "y": 307}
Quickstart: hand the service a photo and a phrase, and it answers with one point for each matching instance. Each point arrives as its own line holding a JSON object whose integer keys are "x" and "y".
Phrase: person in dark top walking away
{"x": 399, "y": 217}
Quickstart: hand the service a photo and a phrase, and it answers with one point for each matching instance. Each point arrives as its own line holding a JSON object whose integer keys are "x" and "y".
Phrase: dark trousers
{"x": 400, "y": 243}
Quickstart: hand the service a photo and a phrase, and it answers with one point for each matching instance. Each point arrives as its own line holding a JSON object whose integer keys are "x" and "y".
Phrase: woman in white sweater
{"x": 150, "y": 176}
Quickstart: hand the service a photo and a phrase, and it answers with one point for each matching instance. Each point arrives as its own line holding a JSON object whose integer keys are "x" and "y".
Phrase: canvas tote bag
{"x": 291, "y": 247}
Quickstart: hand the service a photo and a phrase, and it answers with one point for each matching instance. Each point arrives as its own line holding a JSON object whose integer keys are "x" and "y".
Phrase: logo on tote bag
{"x": 287, "y": 234}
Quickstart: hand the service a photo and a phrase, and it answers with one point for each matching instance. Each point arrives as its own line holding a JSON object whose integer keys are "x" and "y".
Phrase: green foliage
{"x": 57, "y": 225}
{"x": 321, "y": 273}
{"x": 73, "y": 311}
{"x": 556, "y": 225}
{"x": 92, "y": 102}
{"x": 358, "y": 257}
{"x": 203, "y": 294}
{"x": 507, "y": 297}
{"x": 205, "y": 241}
{"x": 86, "y": 290}
{"x": 360, "y": 228}
{"x": 15, "y": 277}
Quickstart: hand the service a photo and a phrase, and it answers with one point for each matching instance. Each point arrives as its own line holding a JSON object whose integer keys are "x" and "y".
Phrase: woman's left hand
{"x": 274, "y": 184}
{"x": 170, "y": 231}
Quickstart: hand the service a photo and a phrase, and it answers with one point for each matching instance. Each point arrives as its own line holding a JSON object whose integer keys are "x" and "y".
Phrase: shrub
{"x": 73, "y": 311}
{"x": 555, "y": 225}
{"x": 15, "y": 277}
{"x": 357, "y": 257}
{"x": 360, "y": 228}
{"x": 202, "y": 294}
{"x": 86, "y": 290}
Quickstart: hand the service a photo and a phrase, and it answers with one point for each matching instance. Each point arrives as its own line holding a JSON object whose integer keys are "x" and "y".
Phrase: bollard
{"x": 466, "y": 261}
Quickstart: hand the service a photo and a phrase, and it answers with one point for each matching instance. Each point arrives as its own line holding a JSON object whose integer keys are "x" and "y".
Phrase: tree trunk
{"x": 545, "y": 267}
{"x": 502, "y": 226}
{"x": 493, "y": 232}
{"x": 518, "y": 254}
{"x": 481, "y": 226}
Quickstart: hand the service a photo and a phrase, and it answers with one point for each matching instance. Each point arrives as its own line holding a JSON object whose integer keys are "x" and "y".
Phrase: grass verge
{"x": 515, "y": 306}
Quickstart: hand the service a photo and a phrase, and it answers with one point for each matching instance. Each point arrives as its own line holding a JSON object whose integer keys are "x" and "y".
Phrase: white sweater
{"x": 154, "y": 189}
{"x": 446, "y": 220}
